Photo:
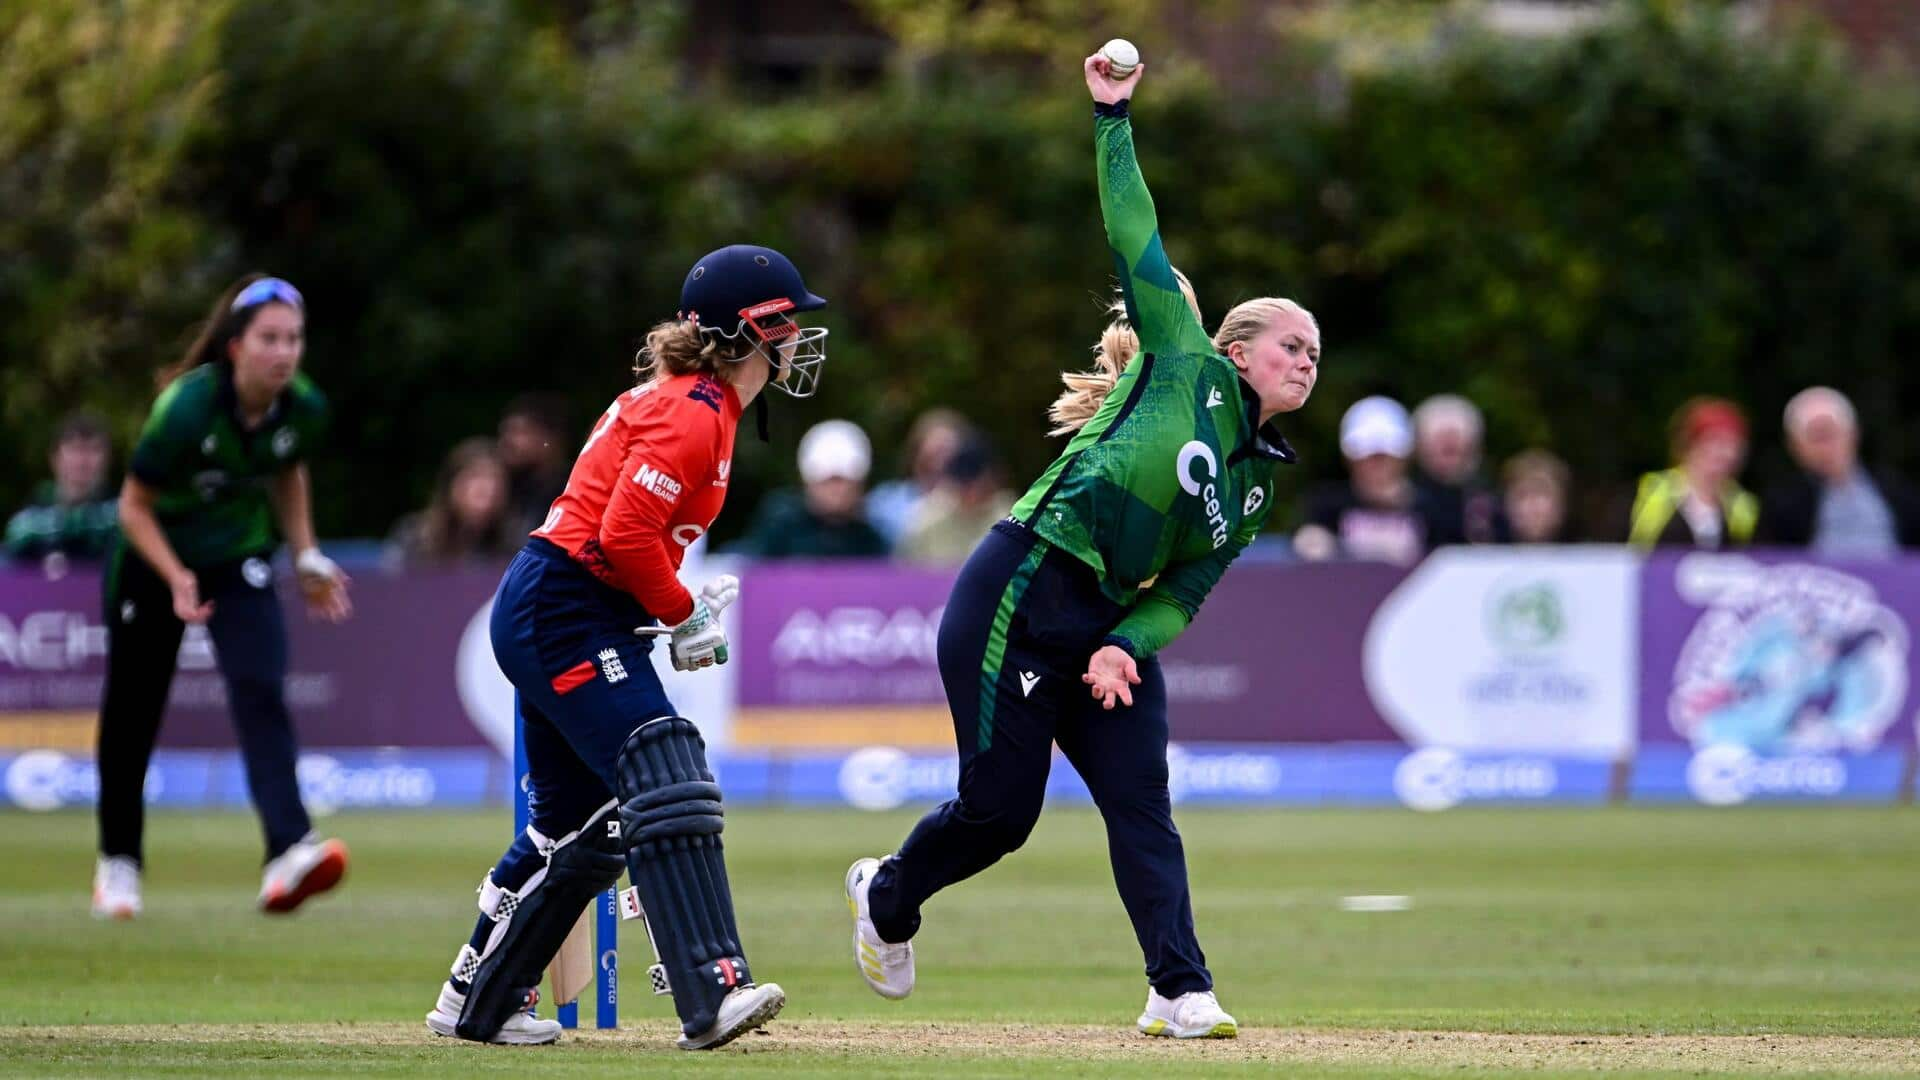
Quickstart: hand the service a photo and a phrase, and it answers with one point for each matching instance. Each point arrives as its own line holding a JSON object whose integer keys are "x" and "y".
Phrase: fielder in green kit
{"x": 1050, "y": 635}
{"x": 217, "y": 480}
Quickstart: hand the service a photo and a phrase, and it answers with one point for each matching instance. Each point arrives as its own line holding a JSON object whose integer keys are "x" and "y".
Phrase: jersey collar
{"x": 229, "y": 401}
{"x": 1266, "y": 440}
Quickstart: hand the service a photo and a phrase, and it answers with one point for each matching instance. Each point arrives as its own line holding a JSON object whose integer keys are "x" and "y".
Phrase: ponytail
{"x": 1087, "y": 390}
{"x": 677, "y": 347}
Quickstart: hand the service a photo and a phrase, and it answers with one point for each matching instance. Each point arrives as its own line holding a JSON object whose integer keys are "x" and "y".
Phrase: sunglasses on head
{"x": 267, "y": 290}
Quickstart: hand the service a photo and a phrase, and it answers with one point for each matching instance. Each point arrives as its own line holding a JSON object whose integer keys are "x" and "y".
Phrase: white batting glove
{"x": 700, "y": 641}
{"x": 720, "y": 593}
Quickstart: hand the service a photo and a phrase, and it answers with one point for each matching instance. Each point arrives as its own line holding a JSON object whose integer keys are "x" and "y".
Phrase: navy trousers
{"x": 566, "y": 642}
{"x": 143, "y": 643}
{"x": 1019, "y": 628}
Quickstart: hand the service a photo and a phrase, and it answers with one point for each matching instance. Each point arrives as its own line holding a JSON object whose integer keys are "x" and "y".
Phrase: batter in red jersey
{"x": 649, "y": 482}
{"x": 616, "y": 780}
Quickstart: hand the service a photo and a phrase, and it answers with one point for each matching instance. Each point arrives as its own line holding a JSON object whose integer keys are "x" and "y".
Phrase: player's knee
{"x": 257, "y": 700}
{"x": 666, "y": 791}
{"x": 1004, "y": 823}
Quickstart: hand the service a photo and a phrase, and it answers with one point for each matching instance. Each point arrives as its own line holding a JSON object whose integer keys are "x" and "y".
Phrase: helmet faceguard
{"x": 794, "y": 353}
{"x": 760, "y": 289}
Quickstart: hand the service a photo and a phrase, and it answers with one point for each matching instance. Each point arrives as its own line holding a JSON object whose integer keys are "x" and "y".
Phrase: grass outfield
{"x": 1645, "y": 942}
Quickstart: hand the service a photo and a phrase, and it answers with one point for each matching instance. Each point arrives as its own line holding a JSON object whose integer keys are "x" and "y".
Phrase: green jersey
{"x": 85, "y": 529}
{"x": 1172, "y": 477}
{"x": 210, "y": 472}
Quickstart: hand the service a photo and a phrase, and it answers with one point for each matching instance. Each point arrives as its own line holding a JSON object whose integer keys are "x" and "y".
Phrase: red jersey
{"x": 649, "y": 482}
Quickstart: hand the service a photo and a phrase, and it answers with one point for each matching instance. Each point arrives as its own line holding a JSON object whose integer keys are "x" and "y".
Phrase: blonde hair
{"x": 677, "y": 347}
{"x": 1087, "y": 390}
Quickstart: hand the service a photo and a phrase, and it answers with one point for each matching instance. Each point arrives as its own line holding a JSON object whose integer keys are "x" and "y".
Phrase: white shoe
{"x": 1196, "y": 1015}
{"x": 306, "y": 869}
{"x": 116, "y": 887}
{"x": 521, "y": 1029}
{"x": 743, "y": 1009}
{"x": 888, "y": 968}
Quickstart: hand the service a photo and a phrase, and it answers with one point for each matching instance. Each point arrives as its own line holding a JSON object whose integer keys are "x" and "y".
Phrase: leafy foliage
{"x": 483, "y": 198}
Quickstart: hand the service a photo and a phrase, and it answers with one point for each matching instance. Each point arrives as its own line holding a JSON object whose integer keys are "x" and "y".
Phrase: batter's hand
{"x": 720, "y": 593}
{"x": 1107, "y": 91}
{"x": 698, "y": 642}
{"x": 1112, "y": 674}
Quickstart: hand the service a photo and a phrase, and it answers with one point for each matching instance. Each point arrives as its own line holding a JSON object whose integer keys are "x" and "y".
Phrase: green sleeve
{"x": 19, "y": 532}
{"x": 1155, "y": 305}
{"x": 1165, "y": 608}
{"x": 165, "y": 440}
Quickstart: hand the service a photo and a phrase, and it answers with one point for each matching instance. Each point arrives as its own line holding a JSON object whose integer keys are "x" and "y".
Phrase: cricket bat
{"x": 572, "y": 967}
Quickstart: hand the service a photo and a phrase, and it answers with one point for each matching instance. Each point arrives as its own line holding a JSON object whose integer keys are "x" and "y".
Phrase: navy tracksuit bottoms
{"x": 143, "y": 643}
{"x": 1019, "y": 628}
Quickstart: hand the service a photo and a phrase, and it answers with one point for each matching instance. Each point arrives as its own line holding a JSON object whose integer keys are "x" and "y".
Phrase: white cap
{"x": 1376, "y": 425}
{"x": 834, "y": 448}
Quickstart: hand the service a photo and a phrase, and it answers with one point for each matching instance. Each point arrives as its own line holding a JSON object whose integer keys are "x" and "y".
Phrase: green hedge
{"x": 479, "y": 200}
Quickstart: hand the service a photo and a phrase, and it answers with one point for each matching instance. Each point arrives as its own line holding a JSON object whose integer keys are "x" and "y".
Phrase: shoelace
{"x": 1200, "y": 999}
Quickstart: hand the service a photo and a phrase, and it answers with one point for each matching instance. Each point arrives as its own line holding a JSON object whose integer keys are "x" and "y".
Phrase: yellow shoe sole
{"x": 1218, "y": 1031}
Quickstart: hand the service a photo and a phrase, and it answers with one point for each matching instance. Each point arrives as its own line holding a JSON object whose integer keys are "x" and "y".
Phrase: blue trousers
{"x": 566, "y": 641}
{"x": 143, "y": 642}
{"x": 1019, "y": 628}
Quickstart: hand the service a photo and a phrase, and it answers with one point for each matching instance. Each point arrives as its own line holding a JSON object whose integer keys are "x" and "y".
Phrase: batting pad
{"x": 529, "y": 925}
{"x": 671, "y": 817}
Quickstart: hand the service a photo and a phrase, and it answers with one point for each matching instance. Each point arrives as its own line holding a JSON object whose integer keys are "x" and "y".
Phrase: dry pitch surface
{"x": 916, "y": 1046}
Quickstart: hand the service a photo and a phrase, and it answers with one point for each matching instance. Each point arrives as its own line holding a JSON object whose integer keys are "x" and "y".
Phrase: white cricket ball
{"x": 1122, "y": 58}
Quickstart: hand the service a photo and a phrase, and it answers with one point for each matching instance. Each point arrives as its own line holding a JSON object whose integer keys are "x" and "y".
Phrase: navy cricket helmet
{"x": 744, "y": 288}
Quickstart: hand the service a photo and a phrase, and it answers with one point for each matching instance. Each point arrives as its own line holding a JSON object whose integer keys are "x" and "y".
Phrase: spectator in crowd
{"x": 1835, "y": 506}
{"x": 934, "y": 437}
{"x": 950, "y": 521}
{"x": 826, "y": 519}
{"x": 1534, "y": 502}
{"x": 468, "y": 517}
{"x": 1698, "y": 502}
{"x": 537, "y": 450}
{"x": 1378, "y": 515}
{"x": 1447, "y": 431}
{"x": 74, "y": 515}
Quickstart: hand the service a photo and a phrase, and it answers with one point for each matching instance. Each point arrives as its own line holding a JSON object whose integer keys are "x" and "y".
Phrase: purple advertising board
{"x": 1275, "y": 655}
{"x": 1776, "y": 654}
{"x": 388, "y": 677}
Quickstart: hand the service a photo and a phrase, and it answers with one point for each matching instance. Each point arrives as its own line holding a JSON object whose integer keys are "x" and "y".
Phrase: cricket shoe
{"x": 888, "y": 968}
{"x": 743, "y": 1009}
{"x": 521, "y": 1029}
{"x": 1197, "y": 1015}
{"x": 308, "y": 868}
{"x": 116, "y": 887}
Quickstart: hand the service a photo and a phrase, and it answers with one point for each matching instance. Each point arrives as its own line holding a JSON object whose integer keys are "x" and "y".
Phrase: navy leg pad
{"x": 534, "y": 922}
{"x": 671, "y": 819}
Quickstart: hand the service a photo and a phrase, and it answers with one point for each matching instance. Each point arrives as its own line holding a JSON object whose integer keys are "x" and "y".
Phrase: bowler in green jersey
{"x": 218, "y": 480}
{"x": 1051, "y": 633}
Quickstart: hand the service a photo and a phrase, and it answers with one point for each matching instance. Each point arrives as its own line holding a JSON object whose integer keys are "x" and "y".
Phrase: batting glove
{"x": 700, "y": 641}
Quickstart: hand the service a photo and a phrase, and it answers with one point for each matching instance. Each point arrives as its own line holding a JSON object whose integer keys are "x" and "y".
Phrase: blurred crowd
{"x": 1414, "y": 481}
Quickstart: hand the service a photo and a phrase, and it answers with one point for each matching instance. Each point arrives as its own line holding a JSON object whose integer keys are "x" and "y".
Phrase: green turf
{"x": 1622, "y": 920}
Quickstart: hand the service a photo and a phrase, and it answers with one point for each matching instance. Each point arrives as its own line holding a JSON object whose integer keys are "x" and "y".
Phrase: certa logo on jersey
{"x": 658, "y": 482}
{"x": 1195, "y": 450}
